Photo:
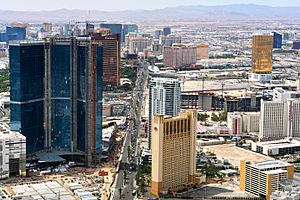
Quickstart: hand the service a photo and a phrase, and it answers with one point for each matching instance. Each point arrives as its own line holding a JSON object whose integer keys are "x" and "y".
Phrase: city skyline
{"x": 117, "y": 5}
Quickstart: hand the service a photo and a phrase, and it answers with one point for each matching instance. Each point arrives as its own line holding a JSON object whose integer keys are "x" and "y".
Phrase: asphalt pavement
{"x": 128, "y": 186}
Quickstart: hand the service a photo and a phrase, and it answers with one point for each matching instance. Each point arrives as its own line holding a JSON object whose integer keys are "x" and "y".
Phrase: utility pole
{"x": 223, "y": 84}
{"x": 202, "y": 95}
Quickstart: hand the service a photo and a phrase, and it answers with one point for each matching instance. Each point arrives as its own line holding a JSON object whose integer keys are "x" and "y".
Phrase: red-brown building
{"x": 111, "y": 58}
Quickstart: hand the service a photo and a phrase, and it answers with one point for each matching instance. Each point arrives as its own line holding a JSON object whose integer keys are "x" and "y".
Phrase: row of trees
{"x": 143, "y": 177}
{"x": 214, "y": 117}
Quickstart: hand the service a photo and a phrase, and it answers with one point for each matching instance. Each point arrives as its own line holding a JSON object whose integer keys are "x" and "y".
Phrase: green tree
{"x": 4, "y": 80}
{"x": 214, "y": 117}
{"x": 202, "y": 117}
{"x": 223, "y": 117}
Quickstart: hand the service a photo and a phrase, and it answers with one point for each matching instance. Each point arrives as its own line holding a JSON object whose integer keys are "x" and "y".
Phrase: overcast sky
{"x": 111, "y": 5}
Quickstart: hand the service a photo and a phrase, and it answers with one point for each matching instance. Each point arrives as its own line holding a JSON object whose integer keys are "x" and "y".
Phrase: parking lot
{"x": 235, "y": 154}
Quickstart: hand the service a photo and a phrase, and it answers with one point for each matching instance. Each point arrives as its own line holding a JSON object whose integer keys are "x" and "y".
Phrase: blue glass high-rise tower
{"x": 277, "y": 40}
{"x": 129, "y": 28}
{"x": 27, "y": 92}
{"x": 71, "y": 95}
{"x": 167, "y": 31}
{"x": 15, "y": 33}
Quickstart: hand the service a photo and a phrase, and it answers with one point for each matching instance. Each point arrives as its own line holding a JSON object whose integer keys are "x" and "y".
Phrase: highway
{"x": 128, "y": 165}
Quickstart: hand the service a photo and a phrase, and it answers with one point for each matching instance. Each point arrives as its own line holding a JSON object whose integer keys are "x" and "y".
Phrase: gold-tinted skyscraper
{"x": 262, "y": 48}
{"x": 173, "y": 152}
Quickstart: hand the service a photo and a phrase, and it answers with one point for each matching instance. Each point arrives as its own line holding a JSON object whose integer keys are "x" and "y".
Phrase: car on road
{"x": 133, "y": 192}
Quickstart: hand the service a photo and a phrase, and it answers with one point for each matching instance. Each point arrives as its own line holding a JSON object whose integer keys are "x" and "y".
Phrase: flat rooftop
{"x": 235, "y": 154}
{"x": 285, "y": 143}
{"x": 270, "y": 164}
{"x": 6, "y": 133}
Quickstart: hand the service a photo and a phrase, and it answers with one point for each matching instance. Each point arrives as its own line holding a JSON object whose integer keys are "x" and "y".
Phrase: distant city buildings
{"x": 158, "y": 33}
{"x": 47, "y": 26}
{"x": 251, "y": 122}
{"x": 56, "y": 95}
{"x": 277, "y": 40}
{"x": 243, "y": 122}
{"x": 164, "y": 99}
{"x": 296, "y": 45}
{"x": 114, "y": 29}
{"x": 139, "y": 44}
{"x": 169, "y": 40}
{"x": 13, "y": 33}
{"x": 179, "y": 55}
{"x": 173, "y": 152}
{"x": 202, "y": 51}
{"x": 166, "y": 31}
{"x": 235, "y": 101}
{"x": 129, "y": 28}
{"x": 262, "y": 178}
{"x": 12, "y": 153}
{"x": 262, "y": 54}
{"x": 234, "y": 123}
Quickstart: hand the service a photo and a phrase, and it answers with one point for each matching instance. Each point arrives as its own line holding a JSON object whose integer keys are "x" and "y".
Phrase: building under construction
{"x": 66, "y": 81}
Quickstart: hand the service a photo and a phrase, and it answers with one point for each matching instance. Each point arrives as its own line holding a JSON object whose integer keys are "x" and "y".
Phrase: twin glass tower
{"x": 56, "y": 94}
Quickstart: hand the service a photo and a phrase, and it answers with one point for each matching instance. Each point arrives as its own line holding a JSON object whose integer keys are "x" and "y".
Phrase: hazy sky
{"x": 126, "y": 4}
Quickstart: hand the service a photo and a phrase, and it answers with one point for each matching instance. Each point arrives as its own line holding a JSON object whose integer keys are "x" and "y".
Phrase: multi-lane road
{"x": 127, "y": 167}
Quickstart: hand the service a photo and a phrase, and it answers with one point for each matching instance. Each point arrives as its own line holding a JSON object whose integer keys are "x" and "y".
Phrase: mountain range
{"x": 192, "y": 13}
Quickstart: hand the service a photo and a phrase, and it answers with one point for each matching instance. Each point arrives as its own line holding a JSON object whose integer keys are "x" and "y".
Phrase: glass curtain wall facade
{"x": 57, "y": 95}
{"x": 60, "y": 96}
{"x": 277, "y": 40}
{"x": 15, "y": 33}
{"x": 262, "y": 52}
{"x": 27, "y": 92}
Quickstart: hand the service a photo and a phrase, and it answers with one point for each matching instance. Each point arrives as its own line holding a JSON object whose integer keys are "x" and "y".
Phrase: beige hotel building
{"x": 173, "y": 152}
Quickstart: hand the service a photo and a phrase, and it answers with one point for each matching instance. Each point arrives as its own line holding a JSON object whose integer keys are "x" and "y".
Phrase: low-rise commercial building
{"x": 277, "y": 147}
{"x": 109, "y": 132}
{"x": 12, "y": 153}
{"x": 263, "y": 178}
{"x": 283, "y": 95}
{"x": 231, "y": 101}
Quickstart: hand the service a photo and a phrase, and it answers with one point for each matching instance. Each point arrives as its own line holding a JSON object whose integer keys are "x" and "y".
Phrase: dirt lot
{"x": 235, "y": 154}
